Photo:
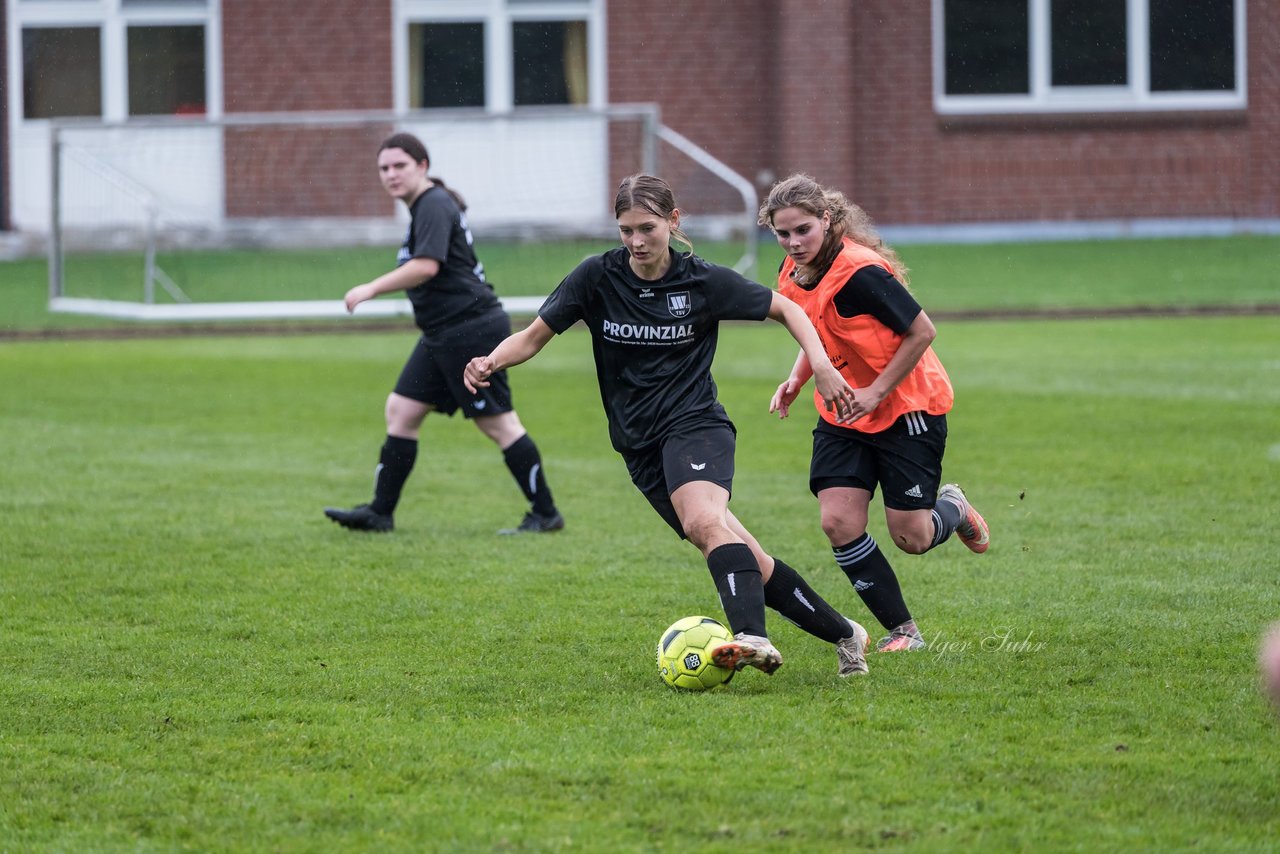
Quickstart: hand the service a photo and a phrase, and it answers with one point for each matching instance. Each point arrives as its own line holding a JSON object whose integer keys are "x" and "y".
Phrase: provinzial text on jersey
{"x": 638, "y": 332}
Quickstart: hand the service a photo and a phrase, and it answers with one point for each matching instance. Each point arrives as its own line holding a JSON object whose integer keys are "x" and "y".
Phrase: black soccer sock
{"x": 737, "y": 577}
{"x": 874, "y": 579}
{"x": 525, "y": 463}
{"x": 791, "y": 596}
{"x": 946, "y": 516}
{"x": 394, "y": 465}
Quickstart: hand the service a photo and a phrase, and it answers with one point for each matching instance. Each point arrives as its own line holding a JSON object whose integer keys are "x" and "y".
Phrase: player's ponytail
{"x": 457, "y": 197}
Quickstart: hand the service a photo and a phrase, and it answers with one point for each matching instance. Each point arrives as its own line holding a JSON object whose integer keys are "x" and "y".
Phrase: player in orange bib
{"x": 853, "y": 288}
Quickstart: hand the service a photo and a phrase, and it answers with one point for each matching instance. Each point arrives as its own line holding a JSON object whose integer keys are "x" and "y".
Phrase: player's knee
{"x": 702, "y": 530}
{"x": 403, "y": 414}
{"x": 840, "y": 530}
{"x": 504, "y": 429}
{"x": 912, "y": 539}
{"x": 910, "y": 542}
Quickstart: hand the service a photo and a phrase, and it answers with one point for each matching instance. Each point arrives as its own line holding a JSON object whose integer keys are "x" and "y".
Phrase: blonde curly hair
{"x": 847, "y": 220}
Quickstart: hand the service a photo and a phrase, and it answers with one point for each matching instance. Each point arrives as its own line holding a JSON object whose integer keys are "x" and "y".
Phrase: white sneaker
{"x": 852, "y": 652}
{"x": 747, "y": 649}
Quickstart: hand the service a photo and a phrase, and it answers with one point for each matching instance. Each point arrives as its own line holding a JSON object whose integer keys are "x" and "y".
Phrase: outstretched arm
{"x": 515, "y": 349}
{"x": 836, "y": 393}
{"x": 790, "y": 388}
{"x": 408, "y": 275}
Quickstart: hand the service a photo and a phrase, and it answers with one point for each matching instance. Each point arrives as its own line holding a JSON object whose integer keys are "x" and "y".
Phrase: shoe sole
{"x": 511, "y": 532}
{"x": 977, "y": 545}
{"x": 971, "y": 543}
{"x": 864, "y": 640}
{"x": 894, "y": 646}
{"x": 736, "y": 655}
{"x": 353, "y": 526}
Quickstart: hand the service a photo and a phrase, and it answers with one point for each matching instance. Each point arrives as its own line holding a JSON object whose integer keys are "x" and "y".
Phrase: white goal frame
{"x": 182, "y": 309}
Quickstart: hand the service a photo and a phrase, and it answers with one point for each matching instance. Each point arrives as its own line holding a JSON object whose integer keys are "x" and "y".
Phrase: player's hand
{"x": 837, "y": 395}
{"x": 785, "y": 396}
{"x": 357, "y": 295}
{"x": 477, "y": 372}
{"x": 865, "y": 402}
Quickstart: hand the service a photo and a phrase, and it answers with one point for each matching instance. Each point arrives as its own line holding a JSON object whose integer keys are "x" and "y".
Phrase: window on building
{"x": 1088, "y": 55}
{"x": 1088, "y": 43}
{"x": 549, "y": 59}
{"x": 497, "y": 54}
{"x": 1192, "y": 46}
{"x": 987, "y": 48}
{"x": 113, "y": 59}
{"x": 446, "y": 65}
{"x": 61, "y": 72}
{"x": 166, "y": 71}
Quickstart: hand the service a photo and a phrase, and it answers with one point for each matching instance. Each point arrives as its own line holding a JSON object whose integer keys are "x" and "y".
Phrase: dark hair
{"x": 649, "y": 193}
{"x": 412, "y": 146}
{"x": 847, "y": 220}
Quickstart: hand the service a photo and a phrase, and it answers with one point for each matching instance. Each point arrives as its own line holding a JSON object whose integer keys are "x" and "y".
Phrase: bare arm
{"x": 408, "y": 275}
{"x": 836, "y": 393}
{"x": 515, "y": 349}
{"x": 790, "y": 388}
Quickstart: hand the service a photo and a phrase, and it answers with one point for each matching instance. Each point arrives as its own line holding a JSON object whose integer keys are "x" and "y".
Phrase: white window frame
{"x": 113, "y": 18}
{"x": 497, "y": 16}
{"x": 1136, "y": 96}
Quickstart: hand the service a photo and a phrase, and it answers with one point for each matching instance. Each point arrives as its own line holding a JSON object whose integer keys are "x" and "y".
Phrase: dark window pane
{"x": 446, "y": 65}
{"x": 1088, "y": 43}
{"x": 1192, "y": 45}
{"x": 986, "y": 47}
{"x": 166, "y": 71}
{"x": 550, "y": 59}
{"x": 61, "y": 72}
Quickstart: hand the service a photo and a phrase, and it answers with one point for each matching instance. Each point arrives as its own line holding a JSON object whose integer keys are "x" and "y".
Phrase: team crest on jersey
{"x": 679, "y": 304}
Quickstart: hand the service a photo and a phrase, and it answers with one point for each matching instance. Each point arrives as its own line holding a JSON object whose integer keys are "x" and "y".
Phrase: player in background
{"x": 654, "y": 315}
{"x": 460, "y": 317}
{"x": 853, "y": 287}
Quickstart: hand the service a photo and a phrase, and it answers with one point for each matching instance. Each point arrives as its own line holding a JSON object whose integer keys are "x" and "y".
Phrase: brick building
{"x": 927, "y": 112}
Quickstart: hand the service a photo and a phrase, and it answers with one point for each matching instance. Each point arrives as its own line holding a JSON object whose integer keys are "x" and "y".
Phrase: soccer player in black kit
{"x": 460, "y": 317}
{"x": 654, "y": 317}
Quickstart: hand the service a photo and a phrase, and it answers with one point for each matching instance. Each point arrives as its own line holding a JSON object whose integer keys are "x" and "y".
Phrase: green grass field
{"x": 194, "y": 658}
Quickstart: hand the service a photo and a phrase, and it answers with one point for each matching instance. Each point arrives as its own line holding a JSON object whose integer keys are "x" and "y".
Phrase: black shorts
{"x": 703, "y": 453}
{"x": 905, "y": 460}
{"x": 433, "y": 373}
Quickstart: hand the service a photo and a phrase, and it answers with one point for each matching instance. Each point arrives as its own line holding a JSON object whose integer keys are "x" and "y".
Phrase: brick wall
{"x": 4, "y": 124}
{"x": 706, "y": 65}
{"x": 845, "y": 91}
{"x": 840, "y": 89}
{"x": 290, "y": 55}
{"x": 1263, "y": 177}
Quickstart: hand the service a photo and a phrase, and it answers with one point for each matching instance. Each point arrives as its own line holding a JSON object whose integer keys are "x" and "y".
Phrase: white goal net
{"x": 276, "y": 215}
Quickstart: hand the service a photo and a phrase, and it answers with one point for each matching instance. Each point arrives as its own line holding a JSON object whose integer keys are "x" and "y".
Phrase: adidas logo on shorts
{"x": 914, "y": 492}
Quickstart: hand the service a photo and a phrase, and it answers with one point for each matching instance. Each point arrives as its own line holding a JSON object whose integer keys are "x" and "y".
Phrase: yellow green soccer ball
{"x": 684, "y": 654}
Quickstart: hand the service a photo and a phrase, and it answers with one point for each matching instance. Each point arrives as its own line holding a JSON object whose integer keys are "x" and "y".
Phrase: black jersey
{"x": 654, "y": 341}
{"x": 459, "y": 292}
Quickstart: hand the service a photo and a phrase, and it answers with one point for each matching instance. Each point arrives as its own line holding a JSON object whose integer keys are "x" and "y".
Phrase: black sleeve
{"x": 568, "y": 302}
{"x": 873, "y": 290}
{"x": 432, "y": 228}
{"x": 735, "y": 297}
